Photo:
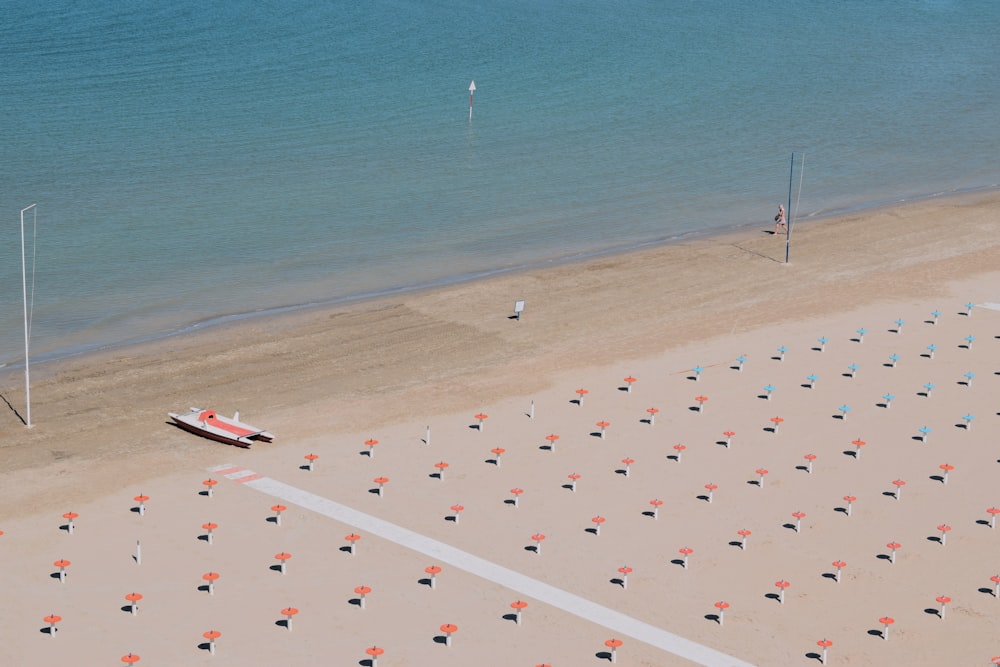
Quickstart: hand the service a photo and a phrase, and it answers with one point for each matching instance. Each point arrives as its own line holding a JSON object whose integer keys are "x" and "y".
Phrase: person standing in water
{"x": 779, "y": 219}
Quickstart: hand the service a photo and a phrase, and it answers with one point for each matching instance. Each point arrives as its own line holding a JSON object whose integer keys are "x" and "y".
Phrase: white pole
{"x": 472, "y": 90}
{"x": 24, "y": 288}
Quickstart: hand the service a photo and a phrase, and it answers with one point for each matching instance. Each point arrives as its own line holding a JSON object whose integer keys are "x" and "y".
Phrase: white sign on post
{"x": 518, "y": 308}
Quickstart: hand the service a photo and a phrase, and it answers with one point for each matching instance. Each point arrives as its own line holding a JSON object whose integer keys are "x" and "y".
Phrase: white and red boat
{"x": 230, "y": 430}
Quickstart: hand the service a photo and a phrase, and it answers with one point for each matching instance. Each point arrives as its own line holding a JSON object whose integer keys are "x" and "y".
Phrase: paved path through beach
{"x": 574, "y": 604}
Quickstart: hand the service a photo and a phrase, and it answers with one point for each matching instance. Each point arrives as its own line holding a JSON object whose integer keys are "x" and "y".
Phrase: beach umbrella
{"x": 381, "y": 481}
{"x": 744, "y": 534}
{"x": 844, "y": 409}
{"x": 899, "y": 484}
{"x": 282, "y": 558}
{"x": 776, "y": 421}
{"x": 782, "y": 585}
{"x": 141, "y": 499}
{"x": 850, "y": 502}
{"x": 928, "y": 388}
{"x": 993, "y": 511}
{"x": 130, "y": 658}
{"x": 457, "y": 509}
{"x": 352, "y": 540}
{"x": 809, "y": 462}
{"x": 69, "y": 516}
{"x": 968, "y": 341}
{"x": 823, "y": 340}
{"x": 52, "y": 619}
{"x": 685, "y": 552}
{"x": 861, "y": 334}
{"x": 888, "y": 400}
{"x": 441, "y": 467}
{"x": 811, "y": 380}
{"x": 858, "y": 444}
{"x": 711, "y": 487}
{"x": 781, "y": 352}
{"x": 517, "y": 606}
{"x": 62, "y": 564}
{"x": 311, "y": 461}
{"x": 760, "y": 476}
{"x": 729, "y": 437}
{"x": 133, "y": 599}
{"x": 603, "y": 425}
{"x": 996, "y": 585}
{"x": 211, "y": 578}
{"x": 538, "y": 537}
{"x": 497, "y": 452}
{"x": 580, "y": 393}
{"x": 893, "y": 546}
{"x": 374, "y": 652}
{"x": 968, "y": 421}
{"x": 852, "y": 370}
{"x": 722, "y": 606}
{"x": 531, "y": 409}
{"x": 798, "y": 520}
{"x": 613, "y": 644}
{"x": 840, "y": 565}
{"x": 370, "y": 443}
{"x": 448, "y": 629}
{"x": 930, "y": 350}
{"x": 652, "y": 412}
{"x": 288, "y": 613}
{"x": 886, "y": 621}
{"x": 935, "y": 314}
{"x": 656, "y": 503}
{"x": 680, "y": 450}
{"x": 362, "y": 591}
{"x": 516, "y": 492}
{"x": 697, "y": 370}
{"x": 551, "y": 438}
{"x": 628, "y": 383}
{"x": 824, "y": 644}
{"x": 597, "y": 521}
{"x": 209, "y": 485}
{"x": 211, "y": 636}
{"x": 573, "y": 476}
{"x": 944, "y": 528}
{"x": 624, "y": 570}
{"x": 968, "y": 378}
{"x": 740, "y": 360}
{"x": 432, "y": 570}
{"x": 701, "y": 402}
{"x": 482, "y": 417}
{"x": 946, "y": 468}
{"x": 768, "y": 390}
{"x": 899, "y": 325}
{"x": 628, "y": 461}
{"x": 209, "y": 528}
{"x": 893, "y": 358}
{"x": 278, "y": 509}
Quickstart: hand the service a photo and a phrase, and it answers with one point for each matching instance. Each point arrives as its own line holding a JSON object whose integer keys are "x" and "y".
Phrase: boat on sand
{"x": 210, "y": 424}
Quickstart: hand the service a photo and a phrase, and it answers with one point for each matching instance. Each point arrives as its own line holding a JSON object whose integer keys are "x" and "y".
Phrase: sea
{"x": 192, "y": 163}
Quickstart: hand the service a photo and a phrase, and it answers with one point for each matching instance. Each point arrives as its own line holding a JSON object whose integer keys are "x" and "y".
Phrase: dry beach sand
{"x": 326, "y": 380}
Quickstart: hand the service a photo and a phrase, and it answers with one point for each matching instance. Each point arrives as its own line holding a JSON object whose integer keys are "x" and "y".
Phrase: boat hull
{"x": 212, "y": 426}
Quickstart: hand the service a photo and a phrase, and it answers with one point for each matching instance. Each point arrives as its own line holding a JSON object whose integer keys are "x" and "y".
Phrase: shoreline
{"x": 549, "y": 262}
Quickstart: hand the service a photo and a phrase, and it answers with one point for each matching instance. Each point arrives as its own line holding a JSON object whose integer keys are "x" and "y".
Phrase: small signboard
{"x": 518, "y": 308}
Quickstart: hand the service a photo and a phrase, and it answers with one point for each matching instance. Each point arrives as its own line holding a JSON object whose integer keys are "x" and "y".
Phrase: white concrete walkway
{"x": 615, "y": 621}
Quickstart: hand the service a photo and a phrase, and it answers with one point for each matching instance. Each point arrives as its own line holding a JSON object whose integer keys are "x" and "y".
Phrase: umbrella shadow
{"x": 451, "y": 517}
{"x": 933, "y": 612}
{"x": 678, "y": 561}
{"x": 475, "y": 427}
{"x": 965, "y": 426}
{"x": 876, "y": 633}
{"x": 982, "y": 522}
{"x": 55, "y": 575}
{"x": 648, "y": 513}
{"x": 987, "y": 591}
{"x": 673, "y": 457}
{"x": 603, "y": 655}
{"x": 346, "y": 549}
{"x": 354, "y": 601}
{"x": 424, "y": 581}
{"x": 203, "y": 538}
{"x": 768, "y": 429}
{"x": 435, "y": 475}
{"x": 204, "y": 646}
{"x": 964, "y": 383}
{"x": 65, "y": 527}
{"x": 440, "y": 639}
{"x": 134, "y": 510}
{"x": 646, "y": 420}
{"x": 736, "y": 543}
{"x": 304, "y": 466}
{"x": 772, "y": 596}
{"x": 713, "y": 617}
{"x": 493, "y": 461}
{"x": 753, "y": 482}
{"x": 850, "y": 452}
{"x": 882, "y": 405}
{"x": 695, "y": 408}
{"x": 807, "y": 385}
{"x": 830, "y": 575}
{"x": 282, "y": 623}
{"x": 592, "y": 531}
{"x": 368, "y": 662}
{"x": 203, "y": 588}
{"x": 532, "y": 547}
{"x": 840, "y": 417}
{"x": 575, "y": 401}
{"x": 366, "y": 452}
{"x": 934, "y": 538}
{"x": 127, "y": 608}
{"x": 621, "y": 471}
{"x": 596, "y": 434}
{"x": 623, "y": 388}
{"x": 814, "y": 656}
{"x": 510, "y": 617}
{"x": 271, "y": 519}
{"x": 805, "y": 468}
{"x": 509, "y": 501}
{"x": 617, "y": 581}
{"x": 842, "y": 510}
{"x": 376, "y": 491}
{"x": 568, "y": 486}
{"x": 789, "y": 526}
{"x": 274, "y": 568}
{"x": 883, "y": 557}
{"x": 890, "y": 494}
{"x": 205, "y": 493}
{"x": 937, "y": 478}
{"x": 545, "y": 447}
{"x": 704, "y": 497}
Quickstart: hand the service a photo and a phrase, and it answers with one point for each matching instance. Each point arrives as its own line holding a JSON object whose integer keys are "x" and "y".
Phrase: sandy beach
{"x": 676, "y": 318}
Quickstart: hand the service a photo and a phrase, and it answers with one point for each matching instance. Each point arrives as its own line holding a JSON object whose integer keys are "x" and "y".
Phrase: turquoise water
{"x": 196, "y": 161}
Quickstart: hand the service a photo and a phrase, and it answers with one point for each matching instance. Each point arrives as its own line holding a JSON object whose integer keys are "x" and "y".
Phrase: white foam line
{"x": 533, "y": 588}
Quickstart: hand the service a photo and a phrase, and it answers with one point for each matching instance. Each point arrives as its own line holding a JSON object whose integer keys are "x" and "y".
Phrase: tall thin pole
{"x": 472, "y": 90}
{"x": 788, "y": 211}
{"x": 24, "y": 289}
